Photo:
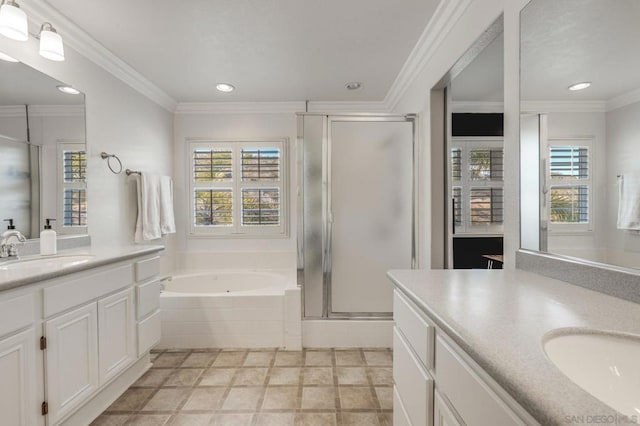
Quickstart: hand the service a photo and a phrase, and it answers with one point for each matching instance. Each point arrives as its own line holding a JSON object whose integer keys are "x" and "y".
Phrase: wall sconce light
{"x": 14, "y": 25}
{"x": 13, "y": 21}
{"x": 51, "y": 46}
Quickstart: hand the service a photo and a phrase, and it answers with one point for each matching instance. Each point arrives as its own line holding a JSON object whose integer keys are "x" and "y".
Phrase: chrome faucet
{"x": 7, "y": 248}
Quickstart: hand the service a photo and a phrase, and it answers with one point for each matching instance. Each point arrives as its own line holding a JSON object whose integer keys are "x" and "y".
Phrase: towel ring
{"x": 108, "y": 157}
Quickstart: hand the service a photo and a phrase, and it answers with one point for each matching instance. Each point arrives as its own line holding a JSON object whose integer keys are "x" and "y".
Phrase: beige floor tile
{"x": 110, "y": 420}
{"x": 288, "y": 358}
{"x": 199, "y": 359}
{"x": 352, "y": 376}
{"x": 386, "y": 419}
{"x": 169, "y": 360}
{"x": 204, "y": 399}
{"x": 167, "y": 399}
{"x": 281, "y": 398}
{"x": 154, "y": 377}
{"x": 317, "y": 376}
{"x": 221, "y": 419}
{"x": 384, "y": 358}
{"x": 259, "y": 359}
{"x": 385, "y": 397}
{"x": 217, "y": 377}
{"x": 243, "y": 398}
{"x": 359, "y": 419}
{"x": 229, "y": 359}
{"x": 380, "y": 375}
{"x": 345, "y": 357}
{"x": 154, "y": 355}
{"x": 132, "y": 400}
{"x": 356, "y": 398}
{"x": 184, "y": 377}
{"x": 316, "y": 419}
{"x": 191, "y": 420}
{"x": 149, "y": 420}
{"x": 318, "y": 358}
{"x": 323, "y": 398}
{"x": 284, "y": 376}
{"x": 250, "y": 376}
{"x": 276, "y": 419}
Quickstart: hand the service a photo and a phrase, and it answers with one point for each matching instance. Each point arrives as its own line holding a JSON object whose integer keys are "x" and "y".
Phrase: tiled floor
{"x": 262, "y": 387}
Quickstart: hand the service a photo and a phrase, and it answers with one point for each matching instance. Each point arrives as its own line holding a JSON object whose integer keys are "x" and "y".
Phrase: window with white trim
{"x": 238, "y": 188}
{"x": 72, "y": 166}
{"x": 569, "y": 185}
{"x": 477, "y": 181}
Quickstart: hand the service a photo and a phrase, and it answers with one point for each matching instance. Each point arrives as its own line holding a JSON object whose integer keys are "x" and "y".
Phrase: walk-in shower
{"x": 356, "y": 211}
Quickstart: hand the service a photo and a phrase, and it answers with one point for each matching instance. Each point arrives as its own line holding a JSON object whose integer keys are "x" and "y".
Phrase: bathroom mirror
{"x": 42, "y": 153}
{"x": 580, "y": 129}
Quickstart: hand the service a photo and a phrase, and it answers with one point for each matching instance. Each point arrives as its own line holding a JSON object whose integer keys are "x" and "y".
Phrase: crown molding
{"x": 623, "y": 100}
{"x": 349, "y": 106}
{"x": 562, "y": 106}
{"x": 443, "y": 20}
{"x": 477, "y": 107}
{"x": 80, "y": 41}
{"x": 185, "y": 108}
{"x": 10, "y": 111}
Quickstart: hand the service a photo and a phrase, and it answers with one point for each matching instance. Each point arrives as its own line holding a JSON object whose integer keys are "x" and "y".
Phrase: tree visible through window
{"x": 570, "y": 181}
{"x": 73, "y": 159}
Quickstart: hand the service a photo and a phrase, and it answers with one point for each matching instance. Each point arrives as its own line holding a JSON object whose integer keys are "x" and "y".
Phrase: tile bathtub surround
{"x": 260, "y": 387}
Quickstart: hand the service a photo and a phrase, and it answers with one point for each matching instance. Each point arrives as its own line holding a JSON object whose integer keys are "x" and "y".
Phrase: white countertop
{"x": 101, "y": 256}
{"x": 499, "y": 317}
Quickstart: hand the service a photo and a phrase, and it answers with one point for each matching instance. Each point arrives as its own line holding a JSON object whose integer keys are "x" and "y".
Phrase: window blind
{"x": 457, "y": 205}
{"x": 260, "y": 206}
{"x": 74, "y": 178}
{"x": 456, "y": 163}
{"x": 569, "y": 162}
{"x": 74, "y": 165}
{"x": 213, "y": 207}
{"x": 212, "y": 165}
{"x": 487, "y": 205}
{"x": 486, "y": 164}
{"x": 260, "y": 164}
{"x": 75, "y": 207}
{"x": 569, "y": 204}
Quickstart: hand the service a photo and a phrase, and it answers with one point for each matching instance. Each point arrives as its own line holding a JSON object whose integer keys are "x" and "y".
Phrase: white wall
{"x": 623, "y": 142}
{"x": 119, "y": 120}
{"x": 229, "y": 252}
{"x": 477, "y": 17}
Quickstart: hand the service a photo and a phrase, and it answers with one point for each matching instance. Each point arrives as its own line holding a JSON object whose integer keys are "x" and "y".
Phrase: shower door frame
{"x": 328, "y": 120}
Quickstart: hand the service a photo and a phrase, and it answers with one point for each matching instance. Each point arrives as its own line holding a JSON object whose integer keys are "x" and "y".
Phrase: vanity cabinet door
{"x": 71, "y": 360}
{"x": 442, "y": 414}
{"x": 18, "y": 400}
{"x": 116, "y": 328}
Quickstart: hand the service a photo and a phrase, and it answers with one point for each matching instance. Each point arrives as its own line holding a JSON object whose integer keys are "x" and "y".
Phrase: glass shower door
{"x": 370, "y": 211}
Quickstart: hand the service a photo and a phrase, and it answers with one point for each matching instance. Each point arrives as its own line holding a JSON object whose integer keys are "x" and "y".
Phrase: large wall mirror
{"x": 42, "y": 152}
{"x": 580, "y": 129}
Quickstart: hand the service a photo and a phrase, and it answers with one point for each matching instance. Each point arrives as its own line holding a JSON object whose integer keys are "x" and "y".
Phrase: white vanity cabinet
{"x": 437, "y": 383}
{"x": 69, "y": 346}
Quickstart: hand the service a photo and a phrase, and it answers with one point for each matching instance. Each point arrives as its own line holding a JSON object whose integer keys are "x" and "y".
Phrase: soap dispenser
{"x": 48, "y": 240}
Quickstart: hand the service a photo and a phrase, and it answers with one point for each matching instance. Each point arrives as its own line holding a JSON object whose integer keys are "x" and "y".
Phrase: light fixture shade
{"x": 13, "y": 22}
{"x": 51, "y": 46}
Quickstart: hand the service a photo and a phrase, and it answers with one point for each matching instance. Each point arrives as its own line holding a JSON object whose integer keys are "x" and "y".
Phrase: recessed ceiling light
{"x": 579, "y": 86}
{"x": 225, "y": 87}
{"x": 5, "y": 57}
{"x": 68, "y": 90}
{"x": 354, "y": 85}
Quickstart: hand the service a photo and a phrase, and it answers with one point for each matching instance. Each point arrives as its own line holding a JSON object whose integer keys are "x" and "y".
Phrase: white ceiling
{"x": 564, "y": 42}
{"x": 271, "y": 50}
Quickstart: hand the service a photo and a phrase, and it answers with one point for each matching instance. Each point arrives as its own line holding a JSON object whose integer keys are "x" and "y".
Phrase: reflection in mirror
{"x": 579, "y": 144}
{"x": 42, "y": 153}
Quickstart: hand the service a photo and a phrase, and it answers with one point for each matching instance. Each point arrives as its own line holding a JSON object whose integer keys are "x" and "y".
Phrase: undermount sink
{"x": 62, "y": 261}
{"x": 606, "y": 365}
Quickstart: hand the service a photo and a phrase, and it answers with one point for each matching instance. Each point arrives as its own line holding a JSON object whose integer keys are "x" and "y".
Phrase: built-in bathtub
{"x": 231, "y": 308}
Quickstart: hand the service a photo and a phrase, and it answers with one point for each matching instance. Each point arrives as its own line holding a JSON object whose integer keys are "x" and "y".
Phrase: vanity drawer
{"x": 16, "y": 313}
{"x": 471, "y": 396}
{"x": 148, "y": 332}
{"x": 61, "y": 297}
{"x": 413, "y": 383}
{"x": 415, "y": 327}
{"x": 147, "y": 268}
{"x": 148, "y": 296}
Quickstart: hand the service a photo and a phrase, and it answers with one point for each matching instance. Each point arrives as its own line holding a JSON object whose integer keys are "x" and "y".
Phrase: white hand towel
{"x": 148, "y": 221}
{"x": 629, "y": 202}
{"x": 167, "y": 218}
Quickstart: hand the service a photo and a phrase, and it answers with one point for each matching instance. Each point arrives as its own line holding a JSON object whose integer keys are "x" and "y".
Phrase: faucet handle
{"x": 11, "y": 225}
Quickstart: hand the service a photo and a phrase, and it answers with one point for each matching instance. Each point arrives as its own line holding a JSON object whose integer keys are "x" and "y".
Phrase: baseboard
{"x": 347, "y": 334}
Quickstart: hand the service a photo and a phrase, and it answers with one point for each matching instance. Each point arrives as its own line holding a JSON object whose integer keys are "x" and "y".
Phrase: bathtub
{"x": 231, "y": 309}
